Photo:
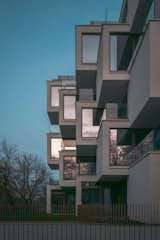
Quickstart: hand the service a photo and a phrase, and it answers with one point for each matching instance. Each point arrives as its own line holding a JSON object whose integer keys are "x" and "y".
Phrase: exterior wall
{"x": 143, "y": 180}
{"x": 103, "y": 143}
{"x": 144, "y": 72}
{"x": 155, "y": 58}
{"x": 138, "y": 90}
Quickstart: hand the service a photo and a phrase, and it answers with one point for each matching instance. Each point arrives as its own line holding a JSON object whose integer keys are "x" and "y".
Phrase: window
{"x": 55, "y": 96}
{"x": 70, "y": 168}
{"x": 122, "y": 46}
{"x": 90, "y": 45}
{"x": 88, "y": 130}
{"x": 69, "y": 107}
{"x": 56, "y": 146}
{"x": 118, "y": 152}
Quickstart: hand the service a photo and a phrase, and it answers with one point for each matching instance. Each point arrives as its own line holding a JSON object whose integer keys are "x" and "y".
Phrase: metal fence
{"x": 94, "y": 222}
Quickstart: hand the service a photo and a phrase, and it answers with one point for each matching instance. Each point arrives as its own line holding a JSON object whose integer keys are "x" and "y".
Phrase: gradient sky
{"x": 37, "y": 42}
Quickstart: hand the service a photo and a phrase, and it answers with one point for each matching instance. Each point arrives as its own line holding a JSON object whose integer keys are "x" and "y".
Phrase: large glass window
{"x": 55, "y": 96}
{"x": 69, "y": 107}
{"x": 70, "y": 168}
{"x": 88, "y": 130}
{"x": 90, "y": 45}
{"x": 56, "y": 146}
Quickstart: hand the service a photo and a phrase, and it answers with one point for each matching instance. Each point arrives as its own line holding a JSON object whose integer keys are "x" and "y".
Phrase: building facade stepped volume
{"x": 108, "y": 147}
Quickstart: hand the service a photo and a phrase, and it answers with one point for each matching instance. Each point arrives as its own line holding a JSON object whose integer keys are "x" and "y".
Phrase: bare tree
{"x": 23, "y": 177}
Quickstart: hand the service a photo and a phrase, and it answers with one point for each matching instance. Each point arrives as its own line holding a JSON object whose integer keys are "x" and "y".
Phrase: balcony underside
{"x": 86, "y": 79}
{"x": 54, "y": 117}
{"x": 112, "y": 91}
{"x": 110, "y": 179}
{"x": 149, "y": 116}
{"x": 68, "y": 131}
{"x": 54, "y": 165}
{"x": 86, "y": 150}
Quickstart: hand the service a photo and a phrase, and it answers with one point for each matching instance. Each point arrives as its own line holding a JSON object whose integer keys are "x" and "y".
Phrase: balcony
{"x": 148, "y": 144}
{"x": 143, "y": 90}
{"x": 112, "y": 164}
{"x": 55, "y": 145}
{"x": 70, "y": 168}
{"x": 86, "y": 131}
{"x": 53, "y": 99}
{"x": 87, "y": 44}
{"x": 67, "y": 113}
{"x": 115, "y": 51}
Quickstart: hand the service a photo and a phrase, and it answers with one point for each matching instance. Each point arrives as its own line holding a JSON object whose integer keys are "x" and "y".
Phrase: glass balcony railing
{"x": 148, "y": 144}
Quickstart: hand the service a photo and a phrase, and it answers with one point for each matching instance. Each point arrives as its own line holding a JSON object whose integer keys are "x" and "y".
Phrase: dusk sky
{"x": 37, "y": 42}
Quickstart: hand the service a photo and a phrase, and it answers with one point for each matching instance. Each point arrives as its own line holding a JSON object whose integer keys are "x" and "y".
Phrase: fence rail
{"x": 111, "y": 214}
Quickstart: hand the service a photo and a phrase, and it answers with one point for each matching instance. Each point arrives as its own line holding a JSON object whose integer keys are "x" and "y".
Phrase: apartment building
{"x": 108, "y": 147}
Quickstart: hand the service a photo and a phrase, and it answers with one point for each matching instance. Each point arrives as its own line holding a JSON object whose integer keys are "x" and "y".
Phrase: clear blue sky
{"x": 37, "y": 42}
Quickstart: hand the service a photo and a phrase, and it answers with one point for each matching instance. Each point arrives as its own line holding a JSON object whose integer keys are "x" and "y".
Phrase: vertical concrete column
{"x": 78, "y": 195}
{"x": 49, "y": 210}
{"x": 111, "y": 110}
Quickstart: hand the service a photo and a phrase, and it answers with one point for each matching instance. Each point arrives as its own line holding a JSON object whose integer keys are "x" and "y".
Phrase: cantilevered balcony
{"x": 53, "y": 100}
{"x": 67, "y": 113}
{"x": 55, "y": 145}
{"x": 87, "y": 44}
{"x": 70, "y": 168}
{"x": 144, "y": 85}
{"x": 86, "y": 131}
{"x": 112, "y": 165}
{"x": 115, "y": 51}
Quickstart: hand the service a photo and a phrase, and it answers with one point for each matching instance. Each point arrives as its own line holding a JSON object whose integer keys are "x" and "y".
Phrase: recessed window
{"x": 90, "y": 45}
{"x": 69, "y": 107}
{"x": 70, "y": 168}
{"x": 122, "y": 46}
{"x": 55, "y": 96}
{"x": 118, "y": 151}
{"x": 88, "y": 130}
{"x": 56, "y": 146}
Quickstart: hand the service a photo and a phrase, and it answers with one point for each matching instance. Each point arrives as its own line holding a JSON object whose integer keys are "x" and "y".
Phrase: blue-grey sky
{"x": 37, "y": 42}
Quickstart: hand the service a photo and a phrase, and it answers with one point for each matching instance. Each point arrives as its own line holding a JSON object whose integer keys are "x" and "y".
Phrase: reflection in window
{"x": 55, "y": 96}
{"x": 56, "y": 146}
{"x": 69, "y": 107}
{"x": 70, "y": 168}
{"x": 118, "y": 152}
{"x": 88, "y": 130}
{"x": 90, "y": 45}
